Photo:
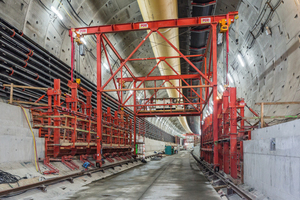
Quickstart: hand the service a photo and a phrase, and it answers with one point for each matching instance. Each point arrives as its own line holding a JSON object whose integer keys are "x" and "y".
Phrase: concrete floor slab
{"x": 171, "y": 178}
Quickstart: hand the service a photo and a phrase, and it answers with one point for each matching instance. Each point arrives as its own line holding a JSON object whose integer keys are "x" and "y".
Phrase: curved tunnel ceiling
{"x": 271, "y": 71}
{"x": 39, "y": 23}
{"x": 161, "y": 10}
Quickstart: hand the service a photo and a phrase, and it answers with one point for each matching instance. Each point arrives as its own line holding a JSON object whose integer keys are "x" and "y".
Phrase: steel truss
{"x": 207, "y": 79}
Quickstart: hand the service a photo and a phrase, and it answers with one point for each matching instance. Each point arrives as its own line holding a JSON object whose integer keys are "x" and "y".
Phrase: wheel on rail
{"x": 97, "y": 164}
{"x": 217, "y": 169}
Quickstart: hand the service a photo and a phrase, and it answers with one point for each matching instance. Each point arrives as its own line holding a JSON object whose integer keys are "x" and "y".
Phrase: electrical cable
{"x": 47, "y": 10}
{"x": 37, "y": 167}
{"x": 8, "y": 178}
{"x": 76, "y": 13}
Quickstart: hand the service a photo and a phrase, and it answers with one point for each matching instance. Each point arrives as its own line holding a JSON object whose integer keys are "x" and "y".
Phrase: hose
{"x": 37, "y": 167}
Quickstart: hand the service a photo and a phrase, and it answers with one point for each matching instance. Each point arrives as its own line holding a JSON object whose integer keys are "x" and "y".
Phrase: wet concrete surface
{"x": 173, "y": 177}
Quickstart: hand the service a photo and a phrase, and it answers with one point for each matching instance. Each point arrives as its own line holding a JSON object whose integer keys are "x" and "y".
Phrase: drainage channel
{"x": 43, "y": 184}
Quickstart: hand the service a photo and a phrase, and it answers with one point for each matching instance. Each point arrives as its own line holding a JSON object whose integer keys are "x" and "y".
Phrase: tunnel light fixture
{"x": 210, "y": 109}
{"x": 57, "y": 13}
{"x": 83, "y": 40}
{"x": 105, "y": 65}
{"x": 221, "y": 88}
{"x": 229, "y": 78}
{"x": 241, "y": 60}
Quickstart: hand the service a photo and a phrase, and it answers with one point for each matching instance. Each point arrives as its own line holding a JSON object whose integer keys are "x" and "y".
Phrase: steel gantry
{"x": 148, "y": 107}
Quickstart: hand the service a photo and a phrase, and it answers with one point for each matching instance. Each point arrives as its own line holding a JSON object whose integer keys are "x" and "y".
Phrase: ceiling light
{"x": 221, "y": 88}
{"x": 241, "y": 60}
{"x": 83, "y": 40}
{"x": 211, "y": 110}
{"x": 268, "y": 31}
{"x": 229, "y": 78}
{"x": 56, "y": 12}
{"x": 105, "y": 65}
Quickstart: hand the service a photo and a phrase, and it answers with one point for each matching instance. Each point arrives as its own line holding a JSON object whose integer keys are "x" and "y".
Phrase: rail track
{"x": 42, "y": 185}
{"x": 243, "y": 194}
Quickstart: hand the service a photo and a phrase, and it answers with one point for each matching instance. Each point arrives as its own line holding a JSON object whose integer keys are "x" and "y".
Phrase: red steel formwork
{"x": 230, "y": 136}
{"x": 70, "y": 132}
{"x": 207, "y": 79}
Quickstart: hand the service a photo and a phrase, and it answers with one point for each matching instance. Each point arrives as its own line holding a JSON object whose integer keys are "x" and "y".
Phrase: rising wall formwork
{"x": 231, "y": 134}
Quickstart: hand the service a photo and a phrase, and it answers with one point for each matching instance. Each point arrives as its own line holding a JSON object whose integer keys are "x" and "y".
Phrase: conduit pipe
{"x": 161, "y": 10}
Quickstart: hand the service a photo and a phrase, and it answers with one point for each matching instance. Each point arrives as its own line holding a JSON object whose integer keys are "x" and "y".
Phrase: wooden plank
{"x": 62, "y": 116}
{"x": 11, "y": 93}
{"x": 63, "y": 127}
{"x": 25, "y": 87}
{"x": 30, "y": 103}
{"x": 277, "y": 103}
{"x": 262, "y": 115}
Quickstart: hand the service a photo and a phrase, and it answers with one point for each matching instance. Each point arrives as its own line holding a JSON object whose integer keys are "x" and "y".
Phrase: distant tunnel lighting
{"x": 105, "y": 65}
{"x": 241, "y": 60}
{"x": 229, "y": 78}
{"x": 83, "y": 40}
{"x": 211, "y": 110}
{"x": 57, "y": 13}
{"x": 221, "y": 88}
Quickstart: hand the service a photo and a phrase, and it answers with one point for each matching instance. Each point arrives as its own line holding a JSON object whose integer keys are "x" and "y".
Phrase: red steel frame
{"x": 154, "y": 26}
{"x": 230, "y": 137}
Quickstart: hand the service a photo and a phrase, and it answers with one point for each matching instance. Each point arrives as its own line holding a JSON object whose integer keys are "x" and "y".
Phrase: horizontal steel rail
{"x": 43, "y": 184}
{"x": 236, "y": 189}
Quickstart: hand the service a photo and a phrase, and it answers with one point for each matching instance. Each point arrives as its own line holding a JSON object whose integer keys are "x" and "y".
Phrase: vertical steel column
{"x": 99, "y": 103}
{"x": 57, "y": 120}
{"x": 134, "y": 119}
{"x": 215, "y": 93}
{"x": 219, "y": 113}
{"x": 73, "y": 100}
{"x": 227, "y": 47}
{"x": 226, "y": 158}
{"x": 72, "y": 54}
{"x": 233, "y": 133}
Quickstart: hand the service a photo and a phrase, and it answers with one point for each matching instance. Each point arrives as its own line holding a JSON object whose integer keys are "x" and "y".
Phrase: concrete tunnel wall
{"x": 275, "y": 173}
{"x": 271, "y": 72}
{"x": 43, "y": 27}
{"x": 16, "y": 142}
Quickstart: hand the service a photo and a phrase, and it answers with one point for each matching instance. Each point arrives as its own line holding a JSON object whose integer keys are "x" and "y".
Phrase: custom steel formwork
{"x": 207, "y": 77}
{"x": 231, "y": 134}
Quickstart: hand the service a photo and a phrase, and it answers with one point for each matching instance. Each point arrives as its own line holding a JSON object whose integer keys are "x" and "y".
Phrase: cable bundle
{"x": 8, "y": 178}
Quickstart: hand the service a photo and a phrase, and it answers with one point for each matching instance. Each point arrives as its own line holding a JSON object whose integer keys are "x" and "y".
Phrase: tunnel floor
{"x": 173, "y": 177}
